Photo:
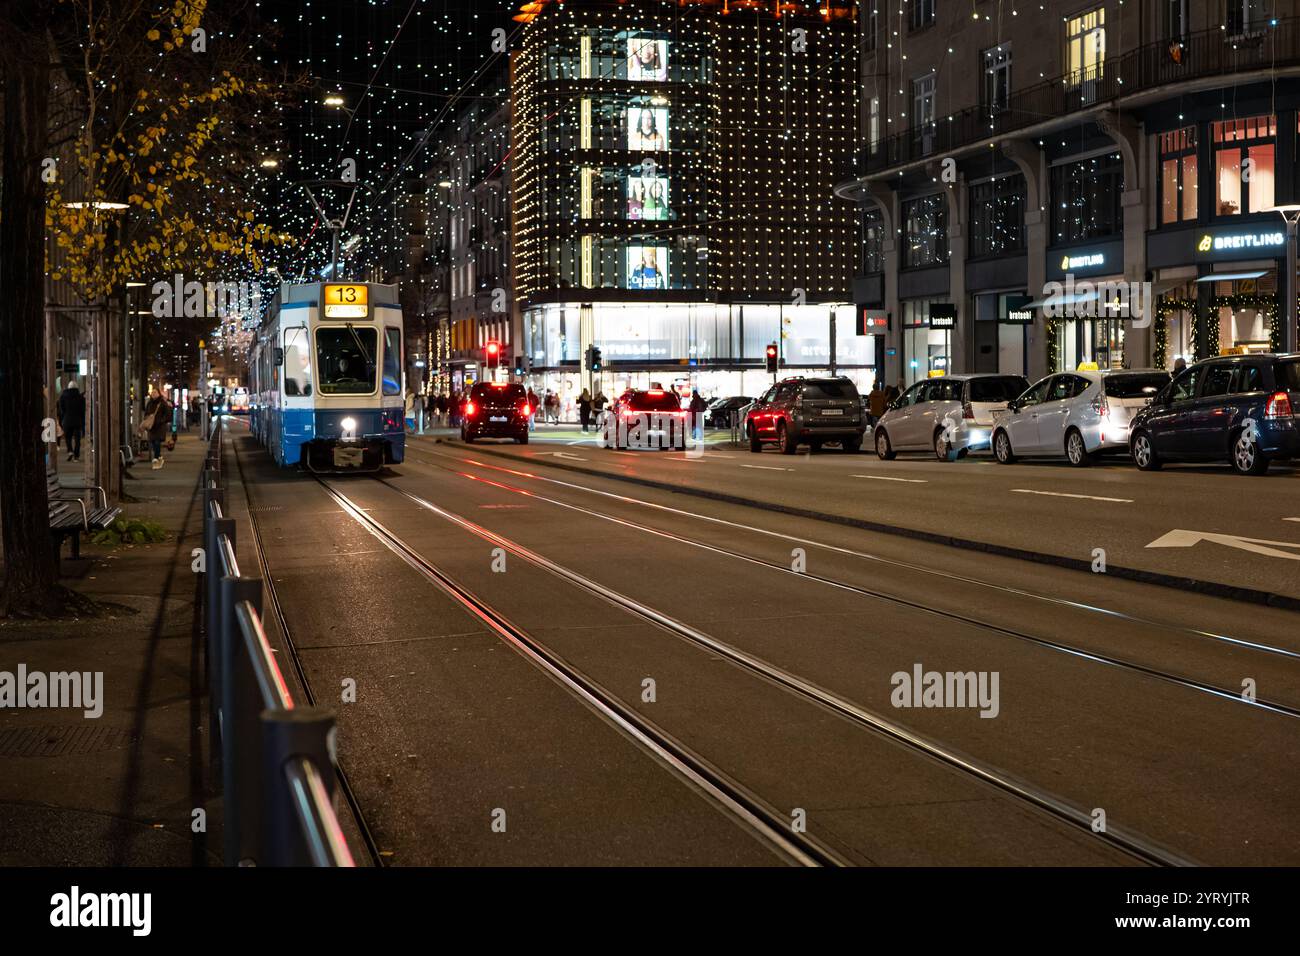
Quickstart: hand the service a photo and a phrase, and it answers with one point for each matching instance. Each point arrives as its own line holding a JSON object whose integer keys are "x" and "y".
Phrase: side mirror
{"x": 1013, "y": 406}
{"x": 279, "y": 357}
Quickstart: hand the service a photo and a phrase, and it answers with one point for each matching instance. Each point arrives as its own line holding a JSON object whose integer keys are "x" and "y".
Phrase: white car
{"x": 1078, "y": 415}
{"x": 950, "y": 415}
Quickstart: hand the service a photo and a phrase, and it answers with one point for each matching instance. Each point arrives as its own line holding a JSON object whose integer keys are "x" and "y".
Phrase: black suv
{"x": 1236, "y": 408}
{"x": 495, "y": 410}
{"x": 807, "y": 411}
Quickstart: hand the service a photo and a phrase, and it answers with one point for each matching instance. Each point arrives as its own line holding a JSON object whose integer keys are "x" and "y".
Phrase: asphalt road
{"x": 769, "y": 650}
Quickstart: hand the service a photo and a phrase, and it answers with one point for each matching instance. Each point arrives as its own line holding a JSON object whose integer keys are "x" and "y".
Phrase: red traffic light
{"x": 493, "y": 348}
{"x": 771, "y": 351}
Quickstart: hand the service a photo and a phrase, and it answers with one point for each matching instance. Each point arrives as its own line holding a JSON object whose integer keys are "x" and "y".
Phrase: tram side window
{"x": 392, "y": 361}
{"x": 297, "y": 362}
{"x": 346, "y": 359}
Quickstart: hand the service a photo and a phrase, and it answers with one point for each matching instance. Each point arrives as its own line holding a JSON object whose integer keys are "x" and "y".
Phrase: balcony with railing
{"x": 1197, "y": 56}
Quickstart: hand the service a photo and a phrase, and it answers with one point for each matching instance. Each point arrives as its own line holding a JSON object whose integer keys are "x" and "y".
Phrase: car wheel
{"x": 884, "y": 451}
{"x": 942, "y": 450}
{"x": 1076, "y": 450}
{"x": 851, "y": 446}
{"x": 1246, "y": 456}
{"x": 785, "y": 441}
{"x": 1002, "y": 448}
{"x": 1144, "y": 453}
{"x": 523, "y": 439}
{"x": 755, "y": 445}
{"x": 814, "y": 446}
{"x": 467, "y": 438}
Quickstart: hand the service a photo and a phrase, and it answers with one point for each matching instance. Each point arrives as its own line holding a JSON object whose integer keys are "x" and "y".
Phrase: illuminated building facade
{"x": 672, "y": 206}
{"x": 1009, "y": 148}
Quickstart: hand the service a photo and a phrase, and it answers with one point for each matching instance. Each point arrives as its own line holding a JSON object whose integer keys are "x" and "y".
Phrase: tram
{"x": 326, "y": 376}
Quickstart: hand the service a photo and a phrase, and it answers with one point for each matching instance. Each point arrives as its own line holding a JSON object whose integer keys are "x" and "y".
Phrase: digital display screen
{"x": 647, "y": 59}
{"x": 647, "y": 197}
{"x": 647, "y": 128}
{"x": 647, "y": 267}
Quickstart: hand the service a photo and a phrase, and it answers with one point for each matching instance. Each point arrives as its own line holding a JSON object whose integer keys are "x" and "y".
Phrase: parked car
{"x": 950, "y": 415}
{"x": 1239, "y": 408}
{"x": 807, "y": 411}
{"x": 720, "y": 410}
{"x": 1078, "y": 415}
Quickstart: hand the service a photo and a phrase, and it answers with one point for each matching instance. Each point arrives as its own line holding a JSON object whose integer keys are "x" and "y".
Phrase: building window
{"x": 1085, "y": 51}
{"x": 997, "y": 216}
{"x": 1178, "y": 175}
{"x": 1086, "y": 199}
{"x": 997, "y": 77}
{"x": 921, "y": 14}
{"x": 1246, "y": 16}
{"x": 925, "y": 231}
{"x": 873, "y": 124}
{"x": 873, "y": 235}
{"x": 1243, "y": 164}
{"x": 872, "y": 25}
{"x": 923, "y": 113}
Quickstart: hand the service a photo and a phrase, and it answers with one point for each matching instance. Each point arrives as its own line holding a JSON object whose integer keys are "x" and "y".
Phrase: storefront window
{"x": 1086, "y": 199}
{"x": 925, "y": 350}
{"x": 1243, "y": 161}
{"x": 873, "y": 233}
{"x": 1178, "y": 175}
{"x": 1242, "y": 313}
{"x": 925, "y": 231}
{"x": 997, "y": 216}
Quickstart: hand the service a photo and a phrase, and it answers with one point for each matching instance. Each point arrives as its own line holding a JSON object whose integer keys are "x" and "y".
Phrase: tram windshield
{"x": 345, "y": 359}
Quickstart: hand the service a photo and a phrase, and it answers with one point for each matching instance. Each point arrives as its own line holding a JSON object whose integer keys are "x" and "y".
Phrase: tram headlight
{"x": 349, "y": 426}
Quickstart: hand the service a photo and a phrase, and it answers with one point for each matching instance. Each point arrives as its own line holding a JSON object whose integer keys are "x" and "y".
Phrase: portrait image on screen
{"x": 647, "y": 267}
{"x": 647, "y": 128}
{"x": 647, "y": 197}
{"x": 647, "y": 59}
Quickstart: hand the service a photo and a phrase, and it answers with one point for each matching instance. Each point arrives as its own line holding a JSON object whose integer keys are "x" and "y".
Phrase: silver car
{"x": 950, "y": 415}
{"x": 1079, "y": 415}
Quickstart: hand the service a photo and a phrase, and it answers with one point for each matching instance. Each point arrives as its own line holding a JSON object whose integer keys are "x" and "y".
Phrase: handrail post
{"x": 239, "y": 753}
{"x": 287, "y": 734}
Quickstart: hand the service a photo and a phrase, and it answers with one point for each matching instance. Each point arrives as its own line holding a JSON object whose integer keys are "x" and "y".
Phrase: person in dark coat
{"x": 584, "y": 409}
{"x": 697, "y": 408}
{"x": 156, "y": 423}
{"x": 72, "y": 418}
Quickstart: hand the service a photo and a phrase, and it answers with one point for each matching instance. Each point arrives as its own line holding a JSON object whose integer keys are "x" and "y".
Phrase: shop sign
{"x": 1016, "y": 311}
{"x": 943, "y": 316}
{"x": 1084, "y": 260}
{"x": 1268, "y": 240}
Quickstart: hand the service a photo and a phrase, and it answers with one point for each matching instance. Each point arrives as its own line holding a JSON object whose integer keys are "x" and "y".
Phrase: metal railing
{"x": 1196, "y": 56}
{"x": 275, "y": 759}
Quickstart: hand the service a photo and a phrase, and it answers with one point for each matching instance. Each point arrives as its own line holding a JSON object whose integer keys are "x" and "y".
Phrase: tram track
{"x": 1130, "y": 843}
{"x": 1083, "y": 653}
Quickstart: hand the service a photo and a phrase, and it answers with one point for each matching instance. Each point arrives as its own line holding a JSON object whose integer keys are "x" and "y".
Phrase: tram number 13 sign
{"x": 346, "y": 301}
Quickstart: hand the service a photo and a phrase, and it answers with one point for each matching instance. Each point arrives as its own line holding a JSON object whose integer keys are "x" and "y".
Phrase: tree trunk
{"x": 29, "y": 559}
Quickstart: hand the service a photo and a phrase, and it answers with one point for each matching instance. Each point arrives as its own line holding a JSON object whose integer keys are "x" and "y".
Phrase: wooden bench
{"x": 70, "y": 515}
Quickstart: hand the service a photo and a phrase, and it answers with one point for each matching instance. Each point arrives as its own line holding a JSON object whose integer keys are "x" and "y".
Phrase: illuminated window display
{"x": 647, "y": 267}
{"x": 647, "y": 197}
{"x": 647, "y": 128}
{"x": 647, "y": 59}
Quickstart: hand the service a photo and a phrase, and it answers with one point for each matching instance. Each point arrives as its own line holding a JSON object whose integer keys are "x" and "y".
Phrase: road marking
{"x": 1180, "y": 538}
{"x": 681, "y": 458}
{"x": 1291, "y": 519}
{"x": 912, "y": 481}
{"x": 560, "y": 454}
{"x": 1064, "y": 494}
{"x": 767, "y": 468}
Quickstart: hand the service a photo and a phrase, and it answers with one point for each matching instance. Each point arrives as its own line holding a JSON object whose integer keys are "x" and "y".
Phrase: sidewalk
{"x": 119, "y": 789}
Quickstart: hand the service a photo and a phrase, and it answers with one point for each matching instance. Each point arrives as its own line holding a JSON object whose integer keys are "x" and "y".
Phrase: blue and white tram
{"x": 327, "y": 377}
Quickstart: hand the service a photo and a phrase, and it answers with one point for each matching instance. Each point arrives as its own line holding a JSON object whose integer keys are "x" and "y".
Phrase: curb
{"x": 1173, "y": 581}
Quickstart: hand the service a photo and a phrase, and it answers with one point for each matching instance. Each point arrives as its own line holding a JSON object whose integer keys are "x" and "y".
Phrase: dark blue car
{"x": 1237, "y": 408}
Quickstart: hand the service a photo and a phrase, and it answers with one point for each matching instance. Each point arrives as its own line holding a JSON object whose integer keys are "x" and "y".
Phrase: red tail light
{"x": 1279, "y": 406}
{"x": 470, "y": 409}
{"x": 527, "y": 410}
{"x": 967, "y": 412}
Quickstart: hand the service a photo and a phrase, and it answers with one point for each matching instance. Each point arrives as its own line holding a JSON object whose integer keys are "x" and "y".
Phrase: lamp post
{"x": 1291, "y": 216}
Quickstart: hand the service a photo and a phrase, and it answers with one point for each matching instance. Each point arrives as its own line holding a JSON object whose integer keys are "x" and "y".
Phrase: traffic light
{"x": 594, "y": 359}
{"x": 772, "y": 358}
{"x": 492, "y": 350}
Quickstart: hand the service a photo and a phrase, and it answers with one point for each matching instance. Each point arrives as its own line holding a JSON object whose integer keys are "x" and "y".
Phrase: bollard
{"x": 286, "y": 735}
{"x": 239, "y": 706}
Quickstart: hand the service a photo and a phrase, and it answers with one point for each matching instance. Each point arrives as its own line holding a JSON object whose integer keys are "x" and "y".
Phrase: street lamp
{"x": 1290, "y": 214}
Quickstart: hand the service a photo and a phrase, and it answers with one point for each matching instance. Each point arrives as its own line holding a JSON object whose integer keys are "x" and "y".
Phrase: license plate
{"x": 832, "y": 411}
{"x": 346, "y": 456}
{"x": 498, "y": 418}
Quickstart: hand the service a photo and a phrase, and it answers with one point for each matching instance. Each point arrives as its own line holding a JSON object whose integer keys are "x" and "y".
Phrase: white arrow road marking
{"x": 1291, "y": 519}
{"x": 1179, "y": 538}
{"x": 767, "y": 468}
{"x": 1064, "y": 494}
{"x": 913, "y": 481}
{"x": 560, "y": 454}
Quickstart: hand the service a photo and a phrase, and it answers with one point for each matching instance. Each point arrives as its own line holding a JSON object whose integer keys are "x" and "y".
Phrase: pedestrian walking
{"x": 598, "y": 406}
{"x": 1180, "y": 363}
{"x": 442, "y": 410}
{"x": 876, "y": 403}
{"x": 552, "y": 407}
{"x": 72, "y": 418}
{"x": 697, "y": 408}
{"x": 419, "y": 412}
{"x": 409, "y": 409}
{"x": 584, "y": 409}
{"x": 154, "y": 424}
{"x": 532, "y": 409}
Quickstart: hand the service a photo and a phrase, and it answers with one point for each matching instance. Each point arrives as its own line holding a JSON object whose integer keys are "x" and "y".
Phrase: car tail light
{"x": 526, "y": 410}
{"x": 470, "y": 409}
{"x": 967, "y": 412}
{"x": 1278, "y": 406}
